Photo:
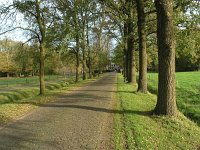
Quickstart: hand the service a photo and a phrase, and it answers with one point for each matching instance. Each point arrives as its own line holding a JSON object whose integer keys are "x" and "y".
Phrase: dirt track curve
{"x": 81, "y": 119}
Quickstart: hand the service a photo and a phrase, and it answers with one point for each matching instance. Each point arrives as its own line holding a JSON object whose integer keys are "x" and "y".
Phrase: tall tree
{"x": 42, "y": 29}
{"x": 142, "y": 82}
{"x": 130, "y": 43}
{"x": 83, "y": 13}
{"x": 166, "y": 101}
{"x": 37, "y": 14}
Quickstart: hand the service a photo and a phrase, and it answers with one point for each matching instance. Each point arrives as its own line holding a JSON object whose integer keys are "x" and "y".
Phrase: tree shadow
{"x": 114, "y": 91}
{"x": 24, "y": 139}
{"x": 100, "y": 109}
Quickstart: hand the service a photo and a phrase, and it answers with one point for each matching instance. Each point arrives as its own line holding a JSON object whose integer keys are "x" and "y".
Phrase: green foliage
{"x": 137, "y": 129}
{"x": 7, "y": 54}
{"x": 188, "y": 48}
{"x": 23, "y": 60}
{"x": 187, "y": 35}
{"x": 119, "y": 55}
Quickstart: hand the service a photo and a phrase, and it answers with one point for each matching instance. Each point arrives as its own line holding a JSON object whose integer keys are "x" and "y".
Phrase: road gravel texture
{"x": 80, "y": 119}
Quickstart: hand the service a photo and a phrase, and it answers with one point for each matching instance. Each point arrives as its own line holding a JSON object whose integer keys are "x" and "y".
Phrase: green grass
{"x": 187, "y": 92}
{"x": 15, "y": 103}
{"x": 31, "y": 81}
{"x": 14, "y": 89}
{"x": 136, "y": 128}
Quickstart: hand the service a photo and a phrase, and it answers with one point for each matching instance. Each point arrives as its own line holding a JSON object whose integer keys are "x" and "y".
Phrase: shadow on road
{"x": 133, "y": 92}
{"x": 99, "y": 109}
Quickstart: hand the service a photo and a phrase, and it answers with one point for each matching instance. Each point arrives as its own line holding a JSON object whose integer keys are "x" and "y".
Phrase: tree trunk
{"x": 89, "y": 65}
{"x": 83, "y": 52}
{"x": 133, "y": 74}
{"x": 84, "y": 69}
{"x": 84, "y": 59}
{"x": 77, "y": 57}
{"x": 77, "y": 67}
{"x": 89, "y": 52}
{"x": 166, "y": 101}
{"x": 124, "y": 66}
{"x": 90, "y": 72}
{"x": 42, "y": 29}
{"x": 125, "y": 53}
{"x": 142, "y": 82}
{"x": 131, "y": 53}
{"x": 42, "y": 82}
{"x": 7, "y": 74}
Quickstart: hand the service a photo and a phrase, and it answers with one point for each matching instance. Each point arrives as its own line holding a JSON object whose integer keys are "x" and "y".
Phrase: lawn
{"x": 13, "y": 89}
{"x": 30, "y": 81}
{"x": 136, "y": 128}
{"x": 187, "y": 92}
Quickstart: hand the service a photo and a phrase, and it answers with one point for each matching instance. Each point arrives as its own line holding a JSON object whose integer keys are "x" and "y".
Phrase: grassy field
{"x": 20, "y": 96}
{"x": 30, "y": 81}
{"x": 136, "y": 129}
{"x": 187, "y": 90}
{"x": 13, "y": 89}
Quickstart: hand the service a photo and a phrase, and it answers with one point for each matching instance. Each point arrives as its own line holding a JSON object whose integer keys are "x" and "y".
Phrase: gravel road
{"x": 80, "y": 119}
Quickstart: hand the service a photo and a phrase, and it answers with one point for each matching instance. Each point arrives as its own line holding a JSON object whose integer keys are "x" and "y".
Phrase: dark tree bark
{"x": 84, "y": 53}
{"x": 84, "y": 65}
{"x": 125, "y": 53}
{"x": 142, "y": 82}
{"x": 127, "y": 63}
{"x": 89, "y": 65}
{"x": 89, "y": 53}
{"x": 77, "y": 58}
{"x": 42, "y": 29}
{"x": 166, "y": 101}
{"x": 77, "y": 68}
{"x": 130, "y": 49}
{"x": 77, "y": 37}
{"x": 42, "y": 82}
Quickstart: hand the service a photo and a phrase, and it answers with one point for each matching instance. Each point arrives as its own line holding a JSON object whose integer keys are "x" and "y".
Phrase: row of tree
{"x": 141, "y": 24}
{"x": 186, "y": 26}
{"x": 85, "y": 29}
{"x": 22, "y": 60}
{"x": 56, "y": 31}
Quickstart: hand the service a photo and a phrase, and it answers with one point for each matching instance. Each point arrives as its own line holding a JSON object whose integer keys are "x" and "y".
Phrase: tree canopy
{"x": 87, "y": 35}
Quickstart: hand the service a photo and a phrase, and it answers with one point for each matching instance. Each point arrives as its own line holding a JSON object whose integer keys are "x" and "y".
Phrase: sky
{"x": 17, "y": 34}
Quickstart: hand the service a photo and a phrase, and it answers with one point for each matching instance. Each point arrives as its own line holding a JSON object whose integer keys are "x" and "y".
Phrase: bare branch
{"x": 153, "y": 32}
{"x": 150, "y": 12}
{"x": 29, "y": 40}
{"x": 26, "y": 29}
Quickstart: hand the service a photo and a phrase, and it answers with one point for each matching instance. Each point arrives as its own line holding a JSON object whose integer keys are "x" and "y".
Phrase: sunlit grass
{"x": 187, "y": 92}
{"x": 137, "y": 129}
